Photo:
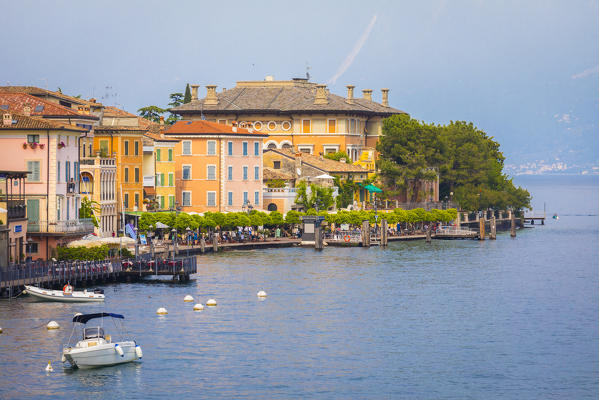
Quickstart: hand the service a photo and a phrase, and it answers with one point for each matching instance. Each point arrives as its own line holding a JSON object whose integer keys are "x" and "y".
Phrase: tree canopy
{"x": 317, "y": 197}
{"x": 467, "y": 160}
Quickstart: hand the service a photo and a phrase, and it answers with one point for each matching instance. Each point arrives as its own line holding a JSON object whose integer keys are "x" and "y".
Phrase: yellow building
{"x": 163, "y": 159}
{"x": 297, "y": 114}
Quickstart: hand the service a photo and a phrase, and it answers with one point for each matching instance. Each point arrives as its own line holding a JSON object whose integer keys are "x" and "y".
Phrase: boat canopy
{"x": 86, "y": 317}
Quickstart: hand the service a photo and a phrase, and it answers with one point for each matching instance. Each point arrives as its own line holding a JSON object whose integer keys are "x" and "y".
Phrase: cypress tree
{"x": 187, "y": 97}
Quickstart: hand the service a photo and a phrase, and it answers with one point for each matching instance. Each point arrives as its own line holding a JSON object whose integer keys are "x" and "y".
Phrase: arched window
{"x": 286, "y": 146}
{"x": 271, "y": 146}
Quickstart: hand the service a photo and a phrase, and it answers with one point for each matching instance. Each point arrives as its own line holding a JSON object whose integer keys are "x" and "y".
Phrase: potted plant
{"x": 61, "y": 145}
{"x": 33, "y": 145}
{"x": 42, "y": 146}
{"x": 25, "y": 145}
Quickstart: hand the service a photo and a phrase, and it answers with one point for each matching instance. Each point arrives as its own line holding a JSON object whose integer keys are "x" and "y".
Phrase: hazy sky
{"x": 526, "y": 72}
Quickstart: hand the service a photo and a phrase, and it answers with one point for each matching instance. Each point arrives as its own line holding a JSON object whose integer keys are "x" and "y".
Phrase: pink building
{"x": 49, "y": 152}
{"x": 217, "y": 167}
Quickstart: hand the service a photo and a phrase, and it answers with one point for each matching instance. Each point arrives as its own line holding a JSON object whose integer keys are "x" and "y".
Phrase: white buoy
{"x": 119, "y": 350}
{"x": 161, "y": 311}
{"x": 262, "y": 293}
{"x": 188, "y": 299}
{"x": 138, "y": 351}
{"x": 198, "y": 307}
{"x": 211, "y": 303}
{"x": 52, "y": 325}
{"x": 49, "y": 367}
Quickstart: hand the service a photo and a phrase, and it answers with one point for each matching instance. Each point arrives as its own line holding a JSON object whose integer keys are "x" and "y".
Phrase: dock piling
{"x": 481, "y": 224}
{"x": 384, "y": 232}
{"x": 513, "y": 224}
{"x": 215, "y": 243}
{"x": 493, "y": 234}
{"x": 365, "y": 233}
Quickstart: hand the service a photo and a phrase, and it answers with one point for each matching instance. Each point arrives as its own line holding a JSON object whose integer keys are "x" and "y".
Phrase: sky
{"x": 526, "y": 72}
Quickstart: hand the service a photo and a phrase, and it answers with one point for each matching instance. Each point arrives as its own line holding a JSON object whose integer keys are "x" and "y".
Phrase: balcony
{"x": 16, "y": 209}
{"x": 149, "y": 181}
{"x": 70, "y": 227}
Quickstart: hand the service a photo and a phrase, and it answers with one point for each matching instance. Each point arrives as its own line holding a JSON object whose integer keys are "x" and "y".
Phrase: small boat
{"x": 67, "y": 294}
{"x": 555, "y": 216}
{"x": 96, "y": 348}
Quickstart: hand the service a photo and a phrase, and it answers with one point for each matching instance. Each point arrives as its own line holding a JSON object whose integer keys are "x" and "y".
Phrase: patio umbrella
{"x": 160, "y": 225}
{"x": 324, "y": 176}
{"x": 372, "y": 189}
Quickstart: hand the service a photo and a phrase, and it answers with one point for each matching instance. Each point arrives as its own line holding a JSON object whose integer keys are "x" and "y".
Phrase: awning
{"x": 372, "y": 189}
{"x": 149, "y": 191}
{"x": 86, "y": 317}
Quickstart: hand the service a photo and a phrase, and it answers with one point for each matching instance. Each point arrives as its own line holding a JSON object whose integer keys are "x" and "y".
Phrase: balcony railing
{"x": 61, "y": 227}
{"x": 15, "y": 209}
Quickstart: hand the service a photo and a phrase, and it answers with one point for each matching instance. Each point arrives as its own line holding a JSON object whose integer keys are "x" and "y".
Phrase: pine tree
{"x": 187, "y": 97}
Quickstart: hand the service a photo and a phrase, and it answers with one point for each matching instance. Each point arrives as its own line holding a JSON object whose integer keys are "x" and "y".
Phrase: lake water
{"x": 511, "y": 318}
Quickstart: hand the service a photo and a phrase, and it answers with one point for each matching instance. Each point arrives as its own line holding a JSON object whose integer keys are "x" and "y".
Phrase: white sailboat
{"x": 96, "y": 348}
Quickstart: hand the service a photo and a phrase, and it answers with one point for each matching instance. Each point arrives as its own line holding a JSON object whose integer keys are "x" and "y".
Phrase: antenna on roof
{"x": 307, "y": 70}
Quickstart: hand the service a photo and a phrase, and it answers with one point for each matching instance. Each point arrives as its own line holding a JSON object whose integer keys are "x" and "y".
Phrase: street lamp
{"x": 136, "y": 243}
{"x": 174, "y": 233}
{"x": 151, "y": 239}
{"x": 188, "y": 231}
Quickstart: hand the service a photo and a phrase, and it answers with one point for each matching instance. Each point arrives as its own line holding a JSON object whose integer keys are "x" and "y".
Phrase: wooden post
{"x": 215, "y": 243}
{"x": 513, "y": 224}
{"x": 481, "y": 224}
{"x": 202, "y": 244}
{"x": 365, "y": 233}
{"x": 493, "y": 234}
{"x": 318, "y": 242}
{"x": 428, "y": 234}
{"x": 384, "y": 231}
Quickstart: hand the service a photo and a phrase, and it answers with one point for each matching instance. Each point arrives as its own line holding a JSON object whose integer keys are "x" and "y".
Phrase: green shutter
{"x": 162, "y": 202}
{"x": 157, "y": 154}
{"x": 171, "y": 201}
{"x": 161, "y": 179}
{"x": 170, "y": 154}
{"x": 170, "y": 180}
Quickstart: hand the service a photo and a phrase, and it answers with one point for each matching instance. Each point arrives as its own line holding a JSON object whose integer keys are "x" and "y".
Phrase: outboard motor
{"x": 98, "y": 291}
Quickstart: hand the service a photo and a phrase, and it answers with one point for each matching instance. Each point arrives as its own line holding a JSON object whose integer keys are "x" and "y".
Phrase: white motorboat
{"x": 68, "y": 295}
{"x": 97, "y": 349}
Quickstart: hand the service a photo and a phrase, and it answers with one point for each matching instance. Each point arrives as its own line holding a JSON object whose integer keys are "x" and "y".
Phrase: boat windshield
{"x": 92, "y": 333}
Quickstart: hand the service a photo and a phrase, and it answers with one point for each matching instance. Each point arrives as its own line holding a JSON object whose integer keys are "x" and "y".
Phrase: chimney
{"x": 321, "y": 95}
{"x": 27, "y": 110}
{"x": 161, "y": 120}
{"x": 385, "y": 101}
{"x": 6, "y": 120}
{"x": 211, "y": 98}
{"x": 194, "y": 92}
{"x": 367, "y": 94}
{"x": 92, "y": 100}
{"x": 350, "y": 94}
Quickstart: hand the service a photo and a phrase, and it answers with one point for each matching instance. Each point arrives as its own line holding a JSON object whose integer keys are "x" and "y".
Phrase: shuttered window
{"x": 34, "y": 171}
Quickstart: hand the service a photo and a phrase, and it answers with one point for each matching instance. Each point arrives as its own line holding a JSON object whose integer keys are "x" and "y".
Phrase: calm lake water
{"x": 511, "y": 318}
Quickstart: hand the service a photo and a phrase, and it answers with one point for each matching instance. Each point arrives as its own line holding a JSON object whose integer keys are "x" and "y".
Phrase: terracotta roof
{"x": 110, "y": 111}
{"x": 32, "y": 123}
{"x": 115, "y": 128}
{"x": 281, "y": 97}
{"x": 323, "y": 164}
{"x": 16, "y": 103}
{"x": 271, "y": 173}
{"x": 202, "y": 127}
{"x": 35, "y": 91}
{"x": 157, "y": 138}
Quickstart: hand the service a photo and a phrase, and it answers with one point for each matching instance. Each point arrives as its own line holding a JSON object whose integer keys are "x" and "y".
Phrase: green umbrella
{"x": 372, "y": 189}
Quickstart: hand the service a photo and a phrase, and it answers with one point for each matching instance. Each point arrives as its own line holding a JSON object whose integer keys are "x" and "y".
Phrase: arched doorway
{"x": 272, "y": 207}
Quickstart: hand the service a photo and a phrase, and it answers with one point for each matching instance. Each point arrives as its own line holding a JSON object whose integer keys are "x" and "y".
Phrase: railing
{"x": 279, "y": 190}
{"x": 61, "y": 271}
{"x": 454, "y": 230}
{"x": 69, "y": 226}
{"x": 16, "y": 209}
{"x": 104, "y": 161}
{"x": 345, "y": 236}
{"x": 145, "y": 265}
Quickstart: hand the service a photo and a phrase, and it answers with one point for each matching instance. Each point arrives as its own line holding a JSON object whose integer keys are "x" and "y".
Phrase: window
{"x": 136, "y": 148}
{"x": 157, "y": 154}
{"x": 126, "y": 147}
{"x": 211, "y": 198}
{"x": 171, "y": 179}
{"x": 186, "y": 172}
{"x": 222, "y": 121}
{"x": 170, "y": 154}
{"x": 230, "y": 148}
{"x": 352, "y": 125}
{"x": 257, "y": 125}
{"x": 126, "y": 174}
{"x": 306, "y": 126}
{"x": 103, "y": 147}
{"x": 162, "y": 179}
{"x": 157, "y": 179}
{"x": 245, "y": 173}
{"x": 230, "y": 172}
{"x": 136, "y": 172}
{"x": 245, "y": 198}
{"x": 276, "y": 164}
{"x": 211, "y": 174}
{"x": 33, "y": 138}
{"x": 186, "y": 198}
{"x": 34, "y": 171}
{"x": 245, "y": 148}
{"x": 272, "y": 125}
{"x": 186, "y": 147}
{"x": 230, "y": 198}
{"x": 305, "y": 149}
{"x": 256, "y": 148}
{"x": 161, "y": 202}
{"x": 67, "y": 171}
{"x": 32, "y": 248}
{"x": 286, "y": 125}
{"x": 256, "y": 173}
{"x": 137, "y": 200}
{"x": 256, "y": 197}
{"x": 126, "y": 201}
{"x": 57, "y": 171}
{"x": 171, "y": 202}
{"x": 211, "y": 147}
{"x": 332, "y": 125}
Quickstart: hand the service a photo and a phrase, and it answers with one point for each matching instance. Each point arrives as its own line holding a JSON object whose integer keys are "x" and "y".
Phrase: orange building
{"x": 217, "y": 167}
{"x": 297, "y": 114}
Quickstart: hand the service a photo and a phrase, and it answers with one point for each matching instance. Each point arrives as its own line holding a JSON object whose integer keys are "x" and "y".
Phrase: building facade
{"x": 217, "y": 167}
{"x": 98, "y": 183}
{"x": 296, "y": 114}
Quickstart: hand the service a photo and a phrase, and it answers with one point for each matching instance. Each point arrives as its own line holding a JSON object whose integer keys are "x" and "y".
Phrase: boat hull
{"x": 100, "y": 356}
{"x": 58, "y": 295}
